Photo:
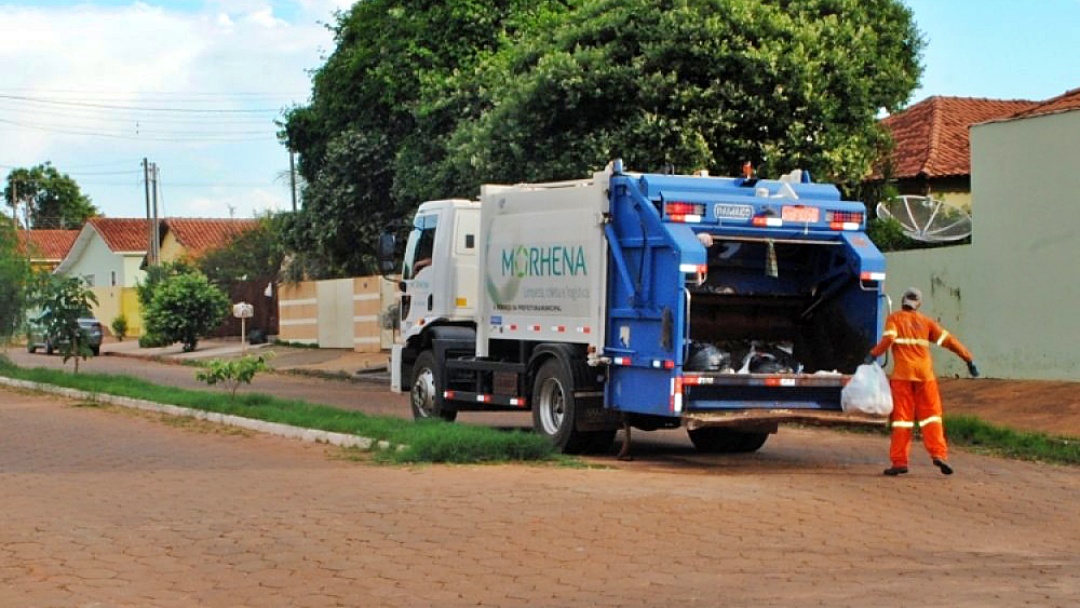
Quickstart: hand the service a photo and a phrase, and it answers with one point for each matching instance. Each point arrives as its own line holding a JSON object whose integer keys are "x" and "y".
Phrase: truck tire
{"x": 554, "y": 411}
{"x": 722, "y": 440}
{"x": 425, "y": 395}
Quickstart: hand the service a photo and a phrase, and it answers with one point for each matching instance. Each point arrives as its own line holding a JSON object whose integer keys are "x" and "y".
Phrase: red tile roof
{"x": 123, "y": 234}
{"x": 932, "y": 136}
{"x": 47, "y": 245}
{"x": 1066, "y": 102}
{"x": 200, "y": 235}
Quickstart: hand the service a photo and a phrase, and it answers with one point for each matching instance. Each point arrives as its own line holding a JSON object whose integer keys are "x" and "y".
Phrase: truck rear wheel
{"x": 722, "y": 440}
{"x": 555, "y": 411}
{"x": 425, "y": 396}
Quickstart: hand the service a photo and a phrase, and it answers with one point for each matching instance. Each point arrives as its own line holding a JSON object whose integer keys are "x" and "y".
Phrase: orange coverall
{"x": 916, "y": 399}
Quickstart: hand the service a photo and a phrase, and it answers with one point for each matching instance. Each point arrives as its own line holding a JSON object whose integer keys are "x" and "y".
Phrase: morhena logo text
{"x": 551, "y": 260}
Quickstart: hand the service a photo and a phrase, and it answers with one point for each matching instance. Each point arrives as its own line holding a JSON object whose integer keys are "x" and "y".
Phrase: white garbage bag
{"x": 867, "y": 392}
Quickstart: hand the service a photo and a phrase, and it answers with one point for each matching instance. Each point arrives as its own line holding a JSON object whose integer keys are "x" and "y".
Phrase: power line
{"x": 141, "y": 109}
{"x": 209, "y": 137}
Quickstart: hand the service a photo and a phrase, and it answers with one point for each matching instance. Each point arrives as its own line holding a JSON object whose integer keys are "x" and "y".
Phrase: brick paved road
{"x": 107, "y": 509}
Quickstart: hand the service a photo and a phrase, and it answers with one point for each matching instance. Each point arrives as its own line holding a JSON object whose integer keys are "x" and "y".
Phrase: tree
{"x": 417, "y": 104}
{"x": 185, "y": 307}
{"x": 361, "y": 118}
{"x": 14, "y": 277}
{"x": 692, "y": 84}
{"x": 52, "y": 200}
{"x": 63, "y": 300}
{"x": 254, "y": 255}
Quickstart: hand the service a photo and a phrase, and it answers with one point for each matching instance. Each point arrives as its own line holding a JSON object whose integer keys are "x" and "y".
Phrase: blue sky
{"x": 94, "y": 86}
{"x": 1000, "y": 49}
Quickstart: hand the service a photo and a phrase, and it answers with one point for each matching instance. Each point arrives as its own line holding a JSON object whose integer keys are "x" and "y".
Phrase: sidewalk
{"x": 335, "y": 362}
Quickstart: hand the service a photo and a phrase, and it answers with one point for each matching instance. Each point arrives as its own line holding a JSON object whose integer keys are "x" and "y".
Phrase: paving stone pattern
{"x": 106, "y": 508}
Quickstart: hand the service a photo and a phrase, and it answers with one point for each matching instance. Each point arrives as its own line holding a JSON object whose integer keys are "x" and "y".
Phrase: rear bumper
{"x": 772, "y": 417}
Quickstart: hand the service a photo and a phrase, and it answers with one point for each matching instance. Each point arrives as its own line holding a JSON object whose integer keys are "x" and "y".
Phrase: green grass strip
{"x": 433, "y": 441}
{"x": 974, "y": 434}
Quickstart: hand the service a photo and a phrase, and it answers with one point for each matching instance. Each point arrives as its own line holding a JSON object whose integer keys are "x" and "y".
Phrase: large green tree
{"x": 692, "y": 84}
{"x": 49, "y": 199}
{"x": 416, "y": 102}
{"x": 362, "y": 118}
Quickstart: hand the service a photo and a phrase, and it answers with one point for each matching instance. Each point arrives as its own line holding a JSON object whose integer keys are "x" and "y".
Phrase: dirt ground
{"x": 1049, "y": 407}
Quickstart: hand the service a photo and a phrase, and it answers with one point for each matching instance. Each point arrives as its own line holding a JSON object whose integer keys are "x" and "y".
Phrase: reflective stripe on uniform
{"x": 930, "y": 420}
{"x": 903, "y": 424}
{"x": 890, "y": 332}
{"x": 912, "y": 341}
{"x": 941, "y": 340}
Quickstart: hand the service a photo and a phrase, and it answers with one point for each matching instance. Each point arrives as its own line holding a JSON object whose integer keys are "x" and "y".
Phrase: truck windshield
{"x": 420, "y": 247}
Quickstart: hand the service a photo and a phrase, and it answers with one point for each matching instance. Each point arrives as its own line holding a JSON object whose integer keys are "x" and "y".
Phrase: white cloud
{"x": 218, "y": 55}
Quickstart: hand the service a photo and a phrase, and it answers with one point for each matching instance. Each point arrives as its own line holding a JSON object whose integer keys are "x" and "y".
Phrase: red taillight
{"x": 684, "y": 209}
{"x": 844, "y": 217}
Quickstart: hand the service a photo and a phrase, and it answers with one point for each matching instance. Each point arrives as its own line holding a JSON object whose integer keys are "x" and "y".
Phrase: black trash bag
{"x": 704, "y": 357}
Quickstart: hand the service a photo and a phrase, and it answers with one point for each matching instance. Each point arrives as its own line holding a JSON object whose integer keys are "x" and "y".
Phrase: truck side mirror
{"x": 385, "y": 252}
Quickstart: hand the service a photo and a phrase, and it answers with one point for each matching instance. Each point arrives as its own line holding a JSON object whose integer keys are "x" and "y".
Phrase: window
{"x": 421, "y": 245}
{"x": 112, "y": 278}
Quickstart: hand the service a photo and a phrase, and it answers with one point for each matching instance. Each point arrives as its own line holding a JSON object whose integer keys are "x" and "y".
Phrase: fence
{"x": 341, "y": 313}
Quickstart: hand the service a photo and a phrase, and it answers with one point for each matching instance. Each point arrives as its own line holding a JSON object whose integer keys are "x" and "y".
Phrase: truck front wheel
{"x": 721, "y": 440}
{"x": 555, "y": 411}
{"x": 425, "y": 396}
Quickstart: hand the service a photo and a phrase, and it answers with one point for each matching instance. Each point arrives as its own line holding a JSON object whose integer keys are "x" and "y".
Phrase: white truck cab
{"x": 439, "y": 274}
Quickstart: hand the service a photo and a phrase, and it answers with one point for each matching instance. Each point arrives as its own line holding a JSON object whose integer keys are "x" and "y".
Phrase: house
{"x": 932, "y": 153}
{"x": 46, "y": 248}
{"x": 107, "y": 255}
{"x": 191, "y": 238}
{"x": 1008, "y": 295}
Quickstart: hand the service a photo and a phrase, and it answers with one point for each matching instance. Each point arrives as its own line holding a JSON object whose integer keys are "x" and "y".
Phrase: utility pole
{"x": 149, "y": 218}
{"x": 155, "y": 249}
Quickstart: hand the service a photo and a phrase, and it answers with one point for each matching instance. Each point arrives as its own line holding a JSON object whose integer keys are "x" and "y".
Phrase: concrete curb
{"x": 260, "y": 426}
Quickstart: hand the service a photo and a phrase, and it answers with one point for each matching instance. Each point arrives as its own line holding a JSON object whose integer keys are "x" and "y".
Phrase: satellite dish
{"x": 927, "y": 219}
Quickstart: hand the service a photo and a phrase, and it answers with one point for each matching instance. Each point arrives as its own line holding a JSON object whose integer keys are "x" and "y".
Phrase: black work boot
{"x": 944, "y": 466}
{"x": 894, "y": 471}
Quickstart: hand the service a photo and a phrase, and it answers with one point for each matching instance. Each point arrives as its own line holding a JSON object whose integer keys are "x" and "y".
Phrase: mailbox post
{"x": 243, "y": 311}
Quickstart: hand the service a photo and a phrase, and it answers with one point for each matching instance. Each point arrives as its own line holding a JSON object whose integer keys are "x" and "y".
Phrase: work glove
{"x": 870, "y": 359}
{"x": 974, "y": 371}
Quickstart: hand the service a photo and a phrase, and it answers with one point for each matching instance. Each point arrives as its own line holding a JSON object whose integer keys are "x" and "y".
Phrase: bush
{"x": 119, "y": 327}
{"x": 184, "y": 308}
{"x": 232, "y": 372}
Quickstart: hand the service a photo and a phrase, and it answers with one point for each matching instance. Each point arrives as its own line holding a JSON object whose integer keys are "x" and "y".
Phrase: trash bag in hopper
{"x": 868, "y": 392}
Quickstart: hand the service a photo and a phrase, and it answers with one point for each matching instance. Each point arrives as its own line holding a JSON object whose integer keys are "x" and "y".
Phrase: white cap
{"x": 912, "y": 297}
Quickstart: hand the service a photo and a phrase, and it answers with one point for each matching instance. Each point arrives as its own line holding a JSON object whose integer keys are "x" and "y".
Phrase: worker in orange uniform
{"x": 914, "y": 387}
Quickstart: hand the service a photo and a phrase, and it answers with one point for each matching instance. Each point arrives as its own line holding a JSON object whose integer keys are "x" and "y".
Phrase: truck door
{"x": 418, "y": 271}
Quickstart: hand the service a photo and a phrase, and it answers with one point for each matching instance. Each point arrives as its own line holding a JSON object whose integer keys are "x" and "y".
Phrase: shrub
{"x": 119, "y": 327}
{"x": 232, "y": 372}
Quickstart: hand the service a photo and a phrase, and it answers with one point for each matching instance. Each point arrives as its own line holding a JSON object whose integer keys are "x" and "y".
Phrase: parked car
{"x": 37, "y": 338}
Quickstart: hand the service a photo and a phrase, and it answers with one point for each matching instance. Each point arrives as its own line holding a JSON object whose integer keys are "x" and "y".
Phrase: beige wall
{"x": 342, "y": 313}
{"x": 298, "y": 313}
{"x": 1011, "y": 295}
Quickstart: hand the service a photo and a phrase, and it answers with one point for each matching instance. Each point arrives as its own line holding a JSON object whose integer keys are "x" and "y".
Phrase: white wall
{"x": 97, "y": 261}
{"x": 1026, "y": 180}
{"x": 1012, "y": 296}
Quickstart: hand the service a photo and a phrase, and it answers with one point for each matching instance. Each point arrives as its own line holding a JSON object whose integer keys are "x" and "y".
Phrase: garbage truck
{"x": 725, "y": 305}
